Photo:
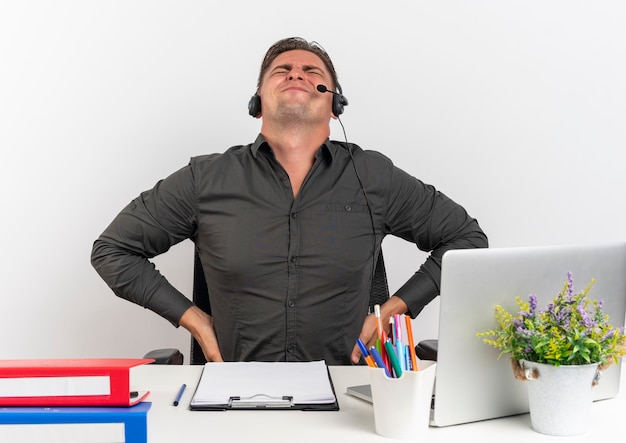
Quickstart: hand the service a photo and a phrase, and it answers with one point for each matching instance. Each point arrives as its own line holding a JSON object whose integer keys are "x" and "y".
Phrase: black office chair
{"x": 379, "y": 294}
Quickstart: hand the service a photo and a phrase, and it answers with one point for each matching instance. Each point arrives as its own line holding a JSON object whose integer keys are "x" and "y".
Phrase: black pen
{"x": 180, "y": 394}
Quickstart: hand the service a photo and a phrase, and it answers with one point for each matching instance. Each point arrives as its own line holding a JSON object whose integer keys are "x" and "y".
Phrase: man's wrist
{"x": 395, "y": 305}
{"x": 194, "y": 319}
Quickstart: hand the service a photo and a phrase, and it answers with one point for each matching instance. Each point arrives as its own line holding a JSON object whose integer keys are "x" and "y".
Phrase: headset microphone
{"x": 339, "y": 100}
{"x": 323, "y": 88}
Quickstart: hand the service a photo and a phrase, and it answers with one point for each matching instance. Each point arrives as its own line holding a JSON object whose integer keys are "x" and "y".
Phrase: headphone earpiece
{"x": 254, "y": 105}
{"x": 339, "y": 102}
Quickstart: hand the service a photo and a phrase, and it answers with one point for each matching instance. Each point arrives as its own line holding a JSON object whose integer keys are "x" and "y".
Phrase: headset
{"x": 339, "y": 101}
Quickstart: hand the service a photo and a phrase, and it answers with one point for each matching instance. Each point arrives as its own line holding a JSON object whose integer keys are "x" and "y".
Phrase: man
{"x": 287, "y": 228}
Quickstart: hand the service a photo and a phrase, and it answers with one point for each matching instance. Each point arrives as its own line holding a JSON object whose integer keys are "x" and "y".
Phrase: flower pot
{"x": 560, "y": 398}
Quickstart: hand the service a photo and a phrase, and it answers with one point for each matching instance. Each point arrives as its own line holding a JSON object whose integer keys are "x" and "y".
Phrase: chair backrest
{"x": 200, "y": 297}
{"x": 379, "y": 294}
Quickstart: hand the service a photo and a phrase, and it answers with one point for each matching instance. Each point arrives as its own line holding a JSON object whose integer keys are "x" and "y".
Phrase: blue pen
{"x": 362, "y": 347}
{"x": 379, "y": 360}
{"x": 400, "y": 354}
{"x": 407, "y": 358}
{"x": 366, "y": 355}
{"x": 179, "y": 395}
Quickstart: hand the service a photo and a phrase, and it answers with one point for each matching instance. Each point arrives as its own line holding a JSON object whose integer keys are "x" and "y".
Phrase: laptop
{"x": 472, "y": 384}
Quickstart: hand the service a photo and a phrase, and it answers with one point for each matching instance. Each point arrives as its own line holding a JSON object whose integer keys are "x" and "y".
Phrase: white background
{"x": 515, "y": 109}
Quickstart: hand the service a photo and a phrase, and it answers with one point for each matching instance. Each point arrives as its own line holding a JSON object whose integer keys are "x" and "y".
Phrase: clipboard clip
{"x": 260, "y": 401}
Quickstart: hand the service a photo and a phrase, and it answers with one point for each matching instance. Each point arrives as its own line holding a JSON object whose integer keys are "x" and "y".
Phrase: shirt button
{"x": 348, "y": 208}
{"x": 293, "y": 215}
{"x": 294, "y": 259}
{"x": 291, "y": 350}
{"x": 291, "y": 303}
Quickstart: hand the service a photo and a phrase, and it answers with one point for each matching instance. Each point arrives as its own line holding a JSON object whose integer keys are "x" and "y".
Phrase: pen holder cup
{"x": 402, "y": 405}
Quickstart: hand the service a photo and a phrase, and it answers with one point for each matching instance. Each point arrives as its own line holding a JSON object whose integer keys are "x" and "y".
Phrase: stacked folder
{"x": 86, "y": 400}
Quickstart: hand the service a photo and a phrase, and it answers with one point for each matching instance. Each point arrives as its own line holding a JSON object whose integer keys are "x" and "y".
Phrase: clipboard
{"x": 300, "y": 386}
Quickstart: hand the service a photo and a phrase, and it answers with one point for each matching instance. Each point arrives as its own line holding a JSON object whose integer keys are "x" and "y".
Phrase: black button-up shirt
{"x": 289, "y": 278}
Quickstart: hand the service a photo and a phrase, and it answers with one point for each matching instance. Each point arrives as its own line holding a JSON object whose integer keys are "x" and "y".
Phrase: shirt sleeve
{"x": 148, "y": 226}
{"x": 419, "y": 213}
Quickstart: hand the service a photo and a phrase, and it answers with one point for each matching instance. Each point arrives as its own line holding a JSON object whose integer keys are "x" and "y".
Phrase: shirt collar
{"x": 328, "y": 147}
{"x": 260, "y": 141}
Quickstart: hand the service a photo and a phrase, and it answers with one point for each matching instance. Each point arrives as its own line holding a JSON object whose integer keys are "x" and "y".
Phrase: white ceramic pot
{"x": 560, "y": 398}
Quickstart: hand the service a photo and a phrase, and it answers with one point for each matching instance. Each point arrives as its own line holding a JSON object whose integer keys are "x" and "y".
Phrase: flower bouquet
{"x": 572, "y": 330}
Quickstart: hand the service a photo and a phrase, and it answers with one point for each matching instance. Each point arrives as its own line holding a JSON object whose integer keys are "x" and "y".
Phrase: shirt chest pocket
{"x": 341, "y": 232}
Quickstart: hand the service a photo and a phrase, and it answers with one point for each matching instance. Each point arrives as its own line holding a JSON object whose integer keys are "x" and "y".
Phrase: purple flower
{"x": 532, "y": 301}
{"x": 608, "y": 335}
{"x": 564, "y": 313}
{"x": 566, "y": 324}
{"x": 520, "y": 329}
{"x": 585, "y": 316}
{"x": 570, "y": 285}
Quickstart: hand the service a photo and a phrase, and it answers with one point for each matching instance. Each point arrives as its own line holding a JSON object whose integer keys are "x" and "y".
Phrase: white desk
{"x": 353, "y": 423}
